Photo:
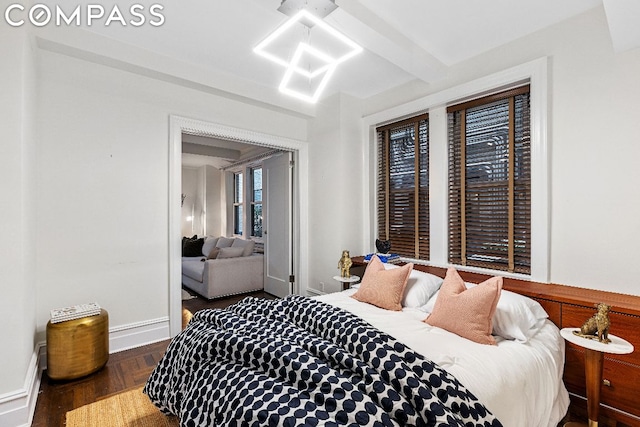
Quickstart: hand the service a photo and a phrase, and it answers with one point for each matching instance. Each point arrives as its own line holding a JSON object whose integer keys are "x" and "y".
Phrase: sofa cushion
{"x": 224, "y": 242}
{"x": 185, "y": 239}
{"x": 230, "y": 252}
{"x": 193, "y": 269}
{"x": 209, "y": 243}
{"x": 247, "y": 245}
{"x": 213, "y": 253}
{"x": 193, "y": 258}
{"x": 193, "y": 247}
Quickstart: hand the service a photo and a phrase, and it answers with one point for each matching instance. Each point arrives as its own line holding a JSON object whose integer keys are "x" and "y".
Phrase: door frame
{"x": 179, "y": 125}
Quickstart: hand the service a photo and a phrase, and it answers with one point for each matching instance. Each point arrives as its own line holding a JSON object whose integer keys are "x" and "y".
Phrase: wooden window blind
{"x": 403, "y": 186}
{"x": 490, "y": 182}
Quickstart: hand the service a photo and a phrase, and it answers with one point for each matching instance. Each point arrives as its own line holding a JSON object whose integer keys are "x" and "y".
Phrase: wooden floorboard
{"x": 124, "y": 370}
{"x": 199, "y": 302}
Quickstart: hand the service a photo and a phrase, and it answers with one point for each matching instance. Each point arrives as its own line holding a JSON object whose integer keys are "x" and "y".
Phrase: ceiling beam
{"x": 92, "y": 47}
{"x": 207, "y": 150}
{"x": 374, "y": 34}
{"x": 210, "y": 141}
{"x": 622, "y": 16}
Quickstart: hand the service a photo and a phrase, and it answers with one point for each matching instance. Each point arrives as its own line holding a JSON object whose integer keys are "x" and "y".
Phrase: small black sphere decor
{"x": 383, "y": 246}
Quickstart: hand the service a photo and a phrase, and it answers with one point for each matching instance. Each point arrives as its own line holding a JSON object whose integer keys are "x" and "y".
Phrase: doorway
{"x": 298, "y": 206}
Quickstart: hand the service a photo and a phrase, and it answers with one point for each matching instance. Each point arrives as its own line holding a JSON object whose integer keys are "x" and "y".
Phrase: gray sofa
{"x": 230, "y": 273}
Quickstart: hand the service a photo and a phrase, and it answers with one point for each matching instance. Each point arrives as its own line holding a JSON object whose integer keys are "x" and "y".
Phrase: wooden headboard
{"x": 570, "y": 306}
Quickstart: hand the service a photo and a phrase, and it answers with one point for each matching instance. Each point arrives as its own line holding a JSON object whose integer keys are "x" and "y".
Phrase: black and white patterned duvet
{"x": 298, "y": 361}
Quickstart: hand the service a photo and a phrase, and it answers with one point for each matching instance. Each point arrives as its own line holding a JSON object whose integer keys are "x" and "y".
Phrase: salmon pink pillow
{"x": 466, "y": 312}
{"x": 383, "y": 288}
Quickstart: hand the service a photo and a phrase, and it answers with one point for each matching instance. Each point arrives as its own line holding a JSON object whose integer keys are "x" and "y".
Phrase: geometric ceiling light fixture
{"x": 307, "y": 47}
{"x": 300, "y": 83}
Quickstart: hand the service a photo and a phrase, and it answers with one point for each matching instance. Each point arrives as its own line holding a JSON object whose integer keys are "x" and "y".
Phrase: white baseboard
{"x": 312, "y": 292}
{"x": 138, "y": 334}
{"x": 17, "y": 407}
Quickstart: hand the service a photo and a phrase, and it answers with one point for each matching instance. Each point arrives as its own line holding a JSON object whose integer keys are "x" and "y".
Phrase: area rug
{"x": 130, "y": 409}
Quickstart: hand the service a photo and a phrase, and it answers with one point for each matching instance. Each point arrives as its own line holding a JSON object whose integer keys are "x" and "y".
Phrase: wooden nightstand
{"x": 593, "y": 361}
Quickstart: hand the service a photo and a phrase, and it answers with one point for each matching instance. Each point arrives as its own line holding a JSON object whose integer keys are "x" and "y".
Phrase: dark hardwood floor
{"x": 199, "y": 303}
{"x": 124, "y": 370}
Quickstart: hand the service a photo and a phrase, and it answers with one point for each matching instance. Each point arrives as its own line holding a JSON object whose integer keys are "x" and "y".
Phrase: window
{"x": 403, "y": 186}
{"x": 256, "y": 202}
{"x": 237, "y": 203}
{"x": 490, "y": 182}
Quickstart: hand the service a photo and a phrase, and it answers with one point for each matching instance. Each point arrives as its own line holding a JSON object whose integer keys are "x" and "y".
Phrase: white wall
{"x": 595, "y": 168}
{"x": 593, "y": 146}
{"x": 103, "y": 183}
{"x": 215, "y": 201}
{"x": 17, "y": 213}
{"x": 336, "y": 164}
{"x": 202, "y": 210}
{"x": 191, "y": 205}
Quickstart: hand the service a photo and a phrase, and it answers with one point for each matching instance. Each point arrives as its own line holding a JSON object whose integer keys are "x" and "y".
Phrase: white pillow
{"x": 230, "y": 252}
{"x": 246, "y": 245}
{"x": 517, "y": 317}
{"x": 209, "y": 243}
{"x": 420, "y": 287}
{"x": 224, "y": 242}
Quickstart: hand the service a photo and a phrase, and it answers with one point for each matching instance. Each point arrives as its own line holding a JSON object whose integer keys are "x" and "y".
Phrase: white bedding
{"x": 520, "y": 383}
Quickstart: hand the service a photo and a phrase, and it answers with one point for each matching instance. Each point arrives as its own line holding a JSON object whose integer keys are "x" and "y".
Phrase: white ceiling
{"x": 199, "y": 151}
{"x": 403, "y": 40}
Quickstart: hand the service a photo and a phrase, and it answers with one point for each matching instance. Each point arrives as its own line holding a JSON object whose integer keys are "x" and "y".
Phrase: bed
{"x": 520, "y": 383}
{"x": 335, "y": 360}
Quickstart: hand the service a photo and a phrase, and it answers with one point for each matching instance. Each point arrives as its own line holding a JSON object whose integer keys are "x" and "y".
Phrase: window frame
{"x": 238, "y": 202}
{"x": 497, "y": 240}
{"x": 254, "y": 203}
{"x": 416, "y": 195}
{"x": 536, "y": 74}
{"x": 246, "y": 202}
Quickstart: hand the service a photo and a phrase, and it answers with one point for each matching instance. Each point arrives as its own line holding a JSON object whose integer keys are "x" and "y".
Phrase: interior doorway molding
{"x": 179, "y": 125}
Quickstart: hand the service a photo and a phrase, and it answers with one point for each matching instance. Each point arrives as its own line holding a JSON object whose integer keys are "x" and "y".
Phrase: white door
{"x": 278, "y": 254}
